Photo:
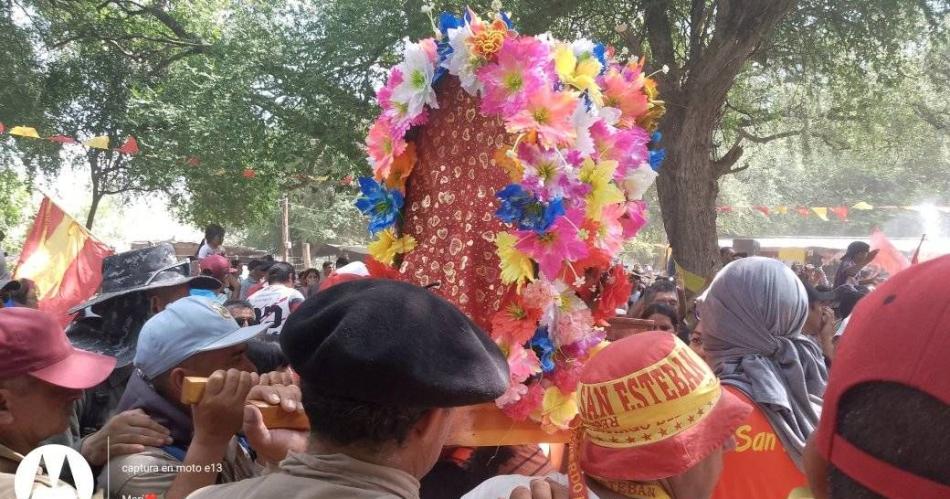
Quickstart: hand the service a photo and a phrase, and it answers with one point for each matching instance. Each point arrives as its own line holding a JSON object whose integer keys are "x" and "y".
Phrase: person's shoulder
{"x": 271, "y": 485}
{"x": 148, "y": 471}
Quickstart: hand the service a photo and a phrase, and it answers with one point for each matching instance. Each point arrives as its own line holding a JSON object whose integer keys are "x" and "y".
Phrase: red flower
{"x": 614, "y": 295}
{"x": 515, "y": 323}
{"x": 531, "y": 401}
{"x": 380, "y": 270}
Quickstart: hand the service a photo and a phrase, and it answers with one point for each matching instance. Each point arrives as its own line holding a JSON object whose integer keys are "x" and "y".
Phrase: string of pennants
{"x": 821, "y": 212}
{"x": 131, "y": 147}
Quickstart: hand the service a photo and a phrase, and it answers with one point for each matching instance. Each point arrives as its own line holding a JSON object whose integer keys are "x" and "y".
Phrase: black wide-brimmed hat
{"x": 143, "y": 269}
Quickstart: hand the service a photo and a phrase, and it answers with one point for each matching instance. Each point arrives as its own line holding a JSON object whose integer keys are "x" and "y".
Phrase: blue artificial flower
{"x": 522, "y": 209}
{"x": 448, "y": 21}
{"x": 508, "y": 21}
{"x": 601, "y": 54}
{"x": 656, "y": 158}
{"x": 656, "y": 137}
{"x": 542, "y": 345}
{"x": 382, "y": 205}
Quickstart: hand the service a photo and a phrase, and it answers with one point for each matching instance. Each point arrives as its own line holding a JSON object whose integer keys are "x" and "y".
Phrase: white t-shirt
{"x": 206, "y": 251}
{"x": 500, "y": 487}
{"x": 273, "y": 304}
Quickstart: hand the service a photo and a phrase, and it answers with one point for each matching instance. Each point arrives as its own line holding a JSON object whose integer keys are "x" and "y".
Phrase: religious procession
{"x": 546, "y": 250}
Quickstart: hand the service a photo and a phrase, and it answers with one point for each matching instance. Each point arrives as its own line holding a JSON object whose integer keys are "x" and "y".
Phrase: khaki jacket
{"x": 42, "y": 485}
{"x": 333, "y": 476}
{"x": 154, "y": 470}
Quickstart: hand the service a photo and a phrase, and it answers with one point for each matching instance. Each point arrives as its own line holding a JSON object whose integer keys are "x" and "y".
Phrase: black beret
{"x": 392, "y": 343}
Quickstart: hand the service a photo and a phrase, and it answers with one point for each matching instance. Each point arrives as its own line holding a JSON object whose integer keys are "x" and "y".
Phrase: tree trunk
{"x": 91, "y": 217}
{"x": 96, "y": 190}
{"x": 688, "y": 188}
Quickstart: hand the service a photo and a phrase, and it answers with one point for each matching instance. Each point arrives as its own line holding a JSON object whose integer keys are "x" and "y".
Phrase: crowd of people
{"x": 770, "y": 383}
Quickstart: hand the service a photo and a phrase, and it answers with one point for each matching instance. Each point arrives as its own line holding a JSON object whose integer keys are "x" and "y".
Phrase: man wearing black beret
{"x": 382, "y": 364}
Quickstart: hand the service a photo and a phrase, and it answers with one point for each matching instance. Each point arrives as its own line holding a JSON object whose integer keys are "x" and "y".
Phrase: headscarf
{"x": 752, "y": 318}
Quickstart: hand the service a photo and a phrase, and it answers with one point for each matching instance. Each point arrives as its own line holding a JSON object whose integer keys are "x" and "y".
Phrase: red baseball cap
{"x": 218, "y": 265}
{"x": 896, "y": 334}
{"x": 32, "y": 343}
{"x": 650, "y": 408}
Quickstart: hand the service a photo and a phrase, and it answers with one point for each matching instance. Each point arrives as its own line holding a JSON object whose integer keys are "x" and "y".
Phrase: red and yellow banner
{"x": 64, "y": 260}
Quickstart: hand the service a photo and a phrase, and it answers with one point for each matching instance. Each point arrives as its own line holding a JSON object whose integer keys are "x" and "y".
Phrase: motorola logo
{"x": 37, "y": 477}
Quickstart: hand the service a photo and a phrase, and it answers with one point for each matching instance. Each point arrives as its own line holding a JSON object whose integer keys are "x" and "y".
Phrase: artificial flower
{"x": 388, "y": 245}
{"x": 566, "y": 376}
{"x": 635, "y": 218}
{"x": 546, "y": 174}
{"x": 383, "y": 146}
{"x": 558, "y": 244}
{"x": 487, "y": 39}
{"x": 657, "y": 108}
{"x": 529, "y": 403}
{"x": 382, "y": 205}
{"x": 583, "y": 349}
{"x": 573, "y": 326}
{"x": 520, "y": 70}
{"x": 582, "y": 120}
{"x": 401, "y": 168}
{"x": 379, "y": 270}
{"x": 656, "y": 157}
{"x": 628, "y": 147}
{"x": 638, "y": 181}
{"x": 540, "y": 294}
{"x": 508, "y": 161}
{"x": 513, "y": 394}
{"x": 607, "y": 234}
{"x": 558, "y": 409}
{"x": 624, "y": 91}
{"x": 549, "y": 113}
{"x": 522, "y": 363}
{"x": 579, "y": 72}
{"x": 525, "y": 211}
{"x": 516, "y": 267}
{"x": 398, "y": 112}
{"x": 542, "y": 345}
{"x": 415, "y": 90}
{"x": 514, "y": 323}
{"x": 614, "y": 294}
{"x": 462, "y": 62}
{"x": 603, "y": 190}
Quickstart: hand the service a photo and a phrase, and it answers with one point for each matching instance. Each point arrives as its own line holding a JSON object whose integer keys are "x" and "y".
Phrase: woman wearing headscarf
{"x": 753, "y": 315}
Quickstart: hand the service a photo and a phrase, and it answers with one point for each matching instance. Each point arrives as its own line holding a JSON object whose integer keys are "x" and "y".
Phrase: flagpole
{"x": 915, "y": 259}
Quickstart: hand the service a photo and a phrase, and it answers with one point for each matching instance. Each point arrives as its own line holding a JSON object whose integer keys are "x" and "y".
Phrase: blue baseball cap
{"x": 188, "y": 326}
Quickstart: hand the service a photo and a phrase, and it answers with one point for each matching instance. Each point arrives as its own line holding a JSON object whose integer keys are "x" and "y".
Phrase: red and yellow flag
{"x": 64, "y": 260}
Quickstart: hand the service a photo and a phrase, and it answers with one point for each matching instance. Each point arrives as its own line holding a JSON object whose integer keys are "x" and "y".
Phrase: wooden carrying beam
{"x": 274, "y": 417}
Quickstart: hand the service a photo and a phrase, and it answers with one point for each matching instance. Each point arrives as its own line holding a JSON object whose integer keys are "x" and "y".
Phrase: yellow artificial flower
{"x": 603, "y": 190}
{"x": 581, "y": 74}
{"x": 558, "y": 409}
{"x": 515, "y": 265}
{"x": 387, "y": 246}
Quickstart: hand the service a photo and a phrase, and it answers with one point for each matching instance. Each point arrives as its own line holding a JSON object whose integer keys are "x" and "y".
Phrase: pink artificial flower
{"x": 566, "y": 376}
{"x": 609, "y": 235}
{"x": 627, "y": 147}
{"x": 429, "y": 47}
{"x": 527, "y": 404}
{"x": 523, "y": 66}
{"x": 559, "y": 244}
{"x": 398, "y": 112}
{"x": 522, "y": 363}
{"x": 540, "y": 294}
{"x": 549, "y": 113}
{"x": 383, "y": 146}
{"x": 572, "y": 327}
{"x": 514, "y": 393}
{"x": 624, "y": 91}
{"x": 635, "y": 218}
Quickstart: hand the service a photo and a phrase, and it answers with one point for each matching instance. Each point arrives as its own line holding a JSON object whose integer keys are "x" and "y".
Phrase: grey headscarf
{"x": 752, "y": 321}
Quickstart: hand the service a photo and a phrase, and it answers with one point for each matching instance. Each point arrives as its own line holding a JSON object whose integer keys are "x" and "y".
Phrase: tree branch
{"x": 768, "y": 138}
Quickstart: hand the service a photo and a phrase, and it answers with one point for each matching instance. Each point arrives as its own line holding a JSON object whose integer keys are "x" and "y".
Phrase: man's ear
{"x": 6, "y": 415}
{"x": 434, "y": 421}
{"x": 176, "y": 379}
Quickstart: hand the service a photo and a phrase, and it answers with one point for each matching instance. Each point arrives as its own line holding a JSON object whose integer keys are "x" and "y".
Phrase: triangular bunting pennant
{"x": 100, "y": 142}
{"x": 782, "y": 210}
{"x": 763, "y": 210}
{"x": 841, "y": 212}
{"x": 192, "y": 161}
{"x": 131, "y": 146}
{"x": 724, "y": 209}
{"x": 249, "y": 173}
{"x": 24, "y": 131}
{"x": 803, "y": 211}
{"x": 863, "y": 206}
{"x": 3, "y": 129}
{"x": 62, "y": 139}
{"x": 822, "y": 212}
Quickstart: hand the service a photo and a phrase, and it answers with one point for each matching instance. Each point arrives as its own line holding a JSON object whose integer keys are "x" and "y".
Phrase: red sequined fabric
{"x": 451, "y": 203}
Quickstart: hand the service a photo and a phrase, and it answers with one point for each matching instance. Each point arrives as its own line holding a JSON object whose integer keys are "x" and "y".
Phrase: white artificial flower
{"x": 666, "y": 69}
{"x": 610, "y": 115}
{"x": 460, "y": 62}
{"x": 637, "y": 181}
{"x": 415, "y": 92}
{"x": 496, "y": 5}
{"x": 426, "y": 8}
{"x": 582, "y": 121}
{"x": 583, "y": 47}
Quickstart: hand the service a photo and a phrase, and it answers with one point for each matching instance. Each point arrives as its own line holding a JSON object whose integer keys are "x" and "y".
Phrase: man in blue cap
{"x": 193, "y": 336}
